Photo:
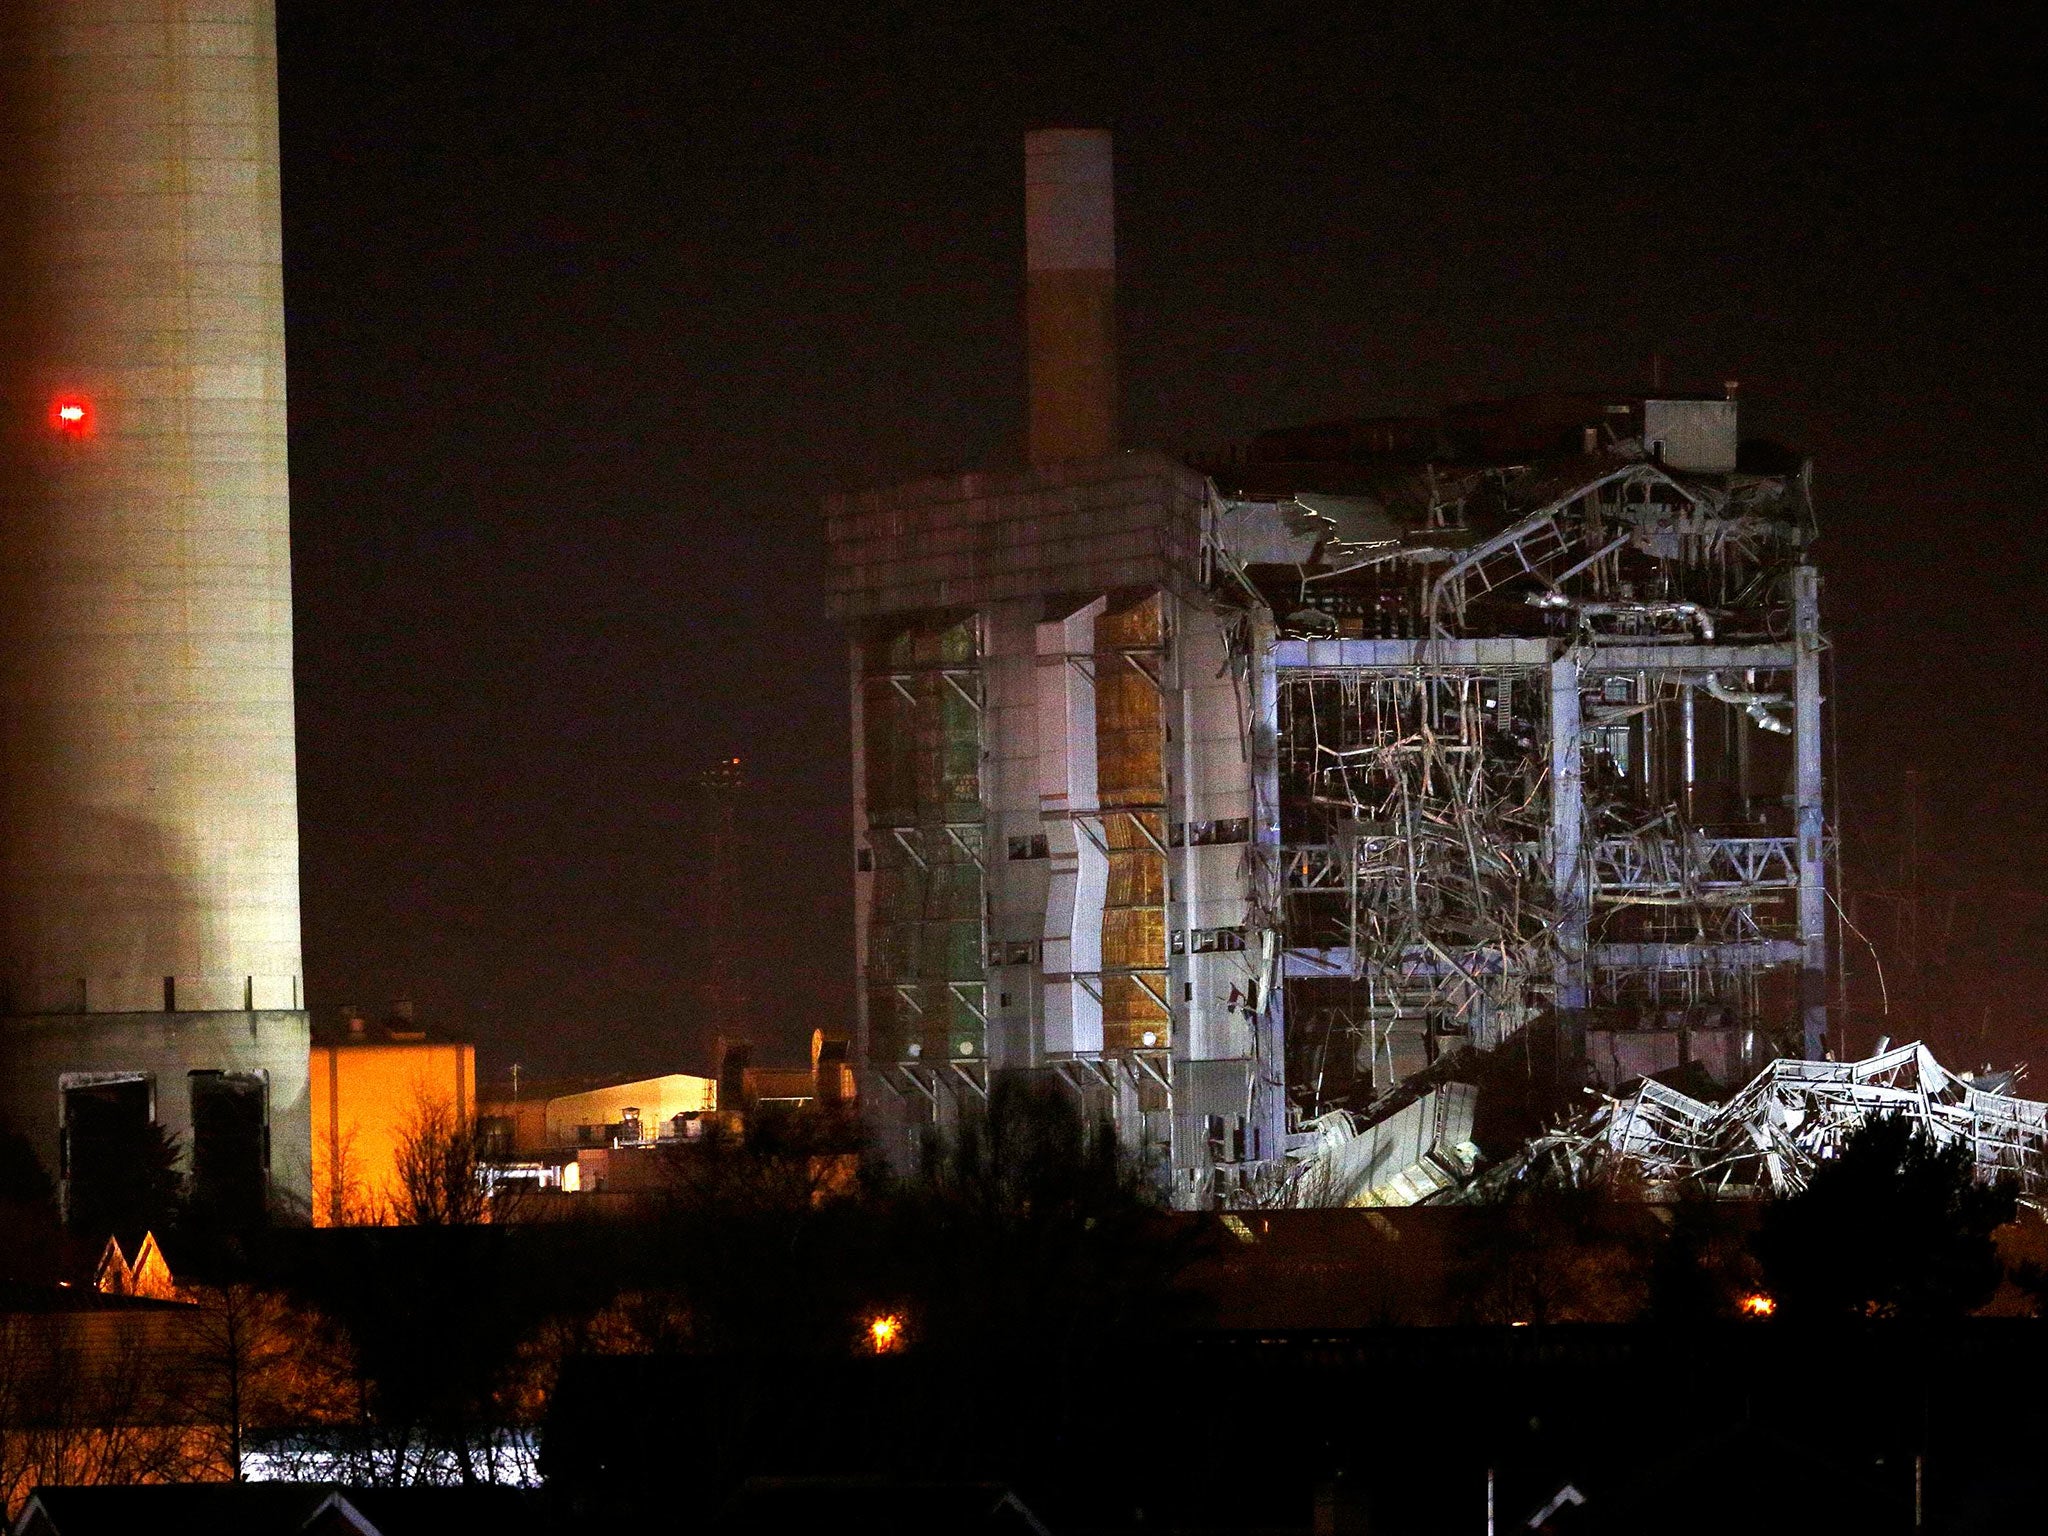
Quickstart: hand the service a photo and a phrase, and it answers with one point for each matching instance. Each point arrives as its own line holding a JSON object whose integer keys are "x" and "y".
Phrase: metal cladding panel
{"x": 923, "y": 967}
{"x": 1131, "y": 776}
{"x": 1697, "y": 435}
{"x": 146, "y": 711}
{"x": 1201, "y": 1089}
{"x": 1130, "y": 520}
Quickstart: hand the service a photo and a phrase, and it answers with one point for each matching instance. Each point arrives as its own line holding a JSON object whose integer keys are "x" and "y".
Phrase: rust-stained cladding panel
{"x": 1130, "y": 520}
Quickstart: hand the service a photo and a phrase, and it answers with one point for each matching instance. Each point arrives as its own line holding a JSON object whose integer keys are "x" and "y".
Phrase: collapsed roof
{"x": 1550, "y": 516}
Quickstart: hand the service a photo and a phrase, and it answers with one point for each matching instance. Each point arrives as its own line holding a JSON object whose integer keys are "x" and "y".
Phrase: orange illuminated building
{"x": 372, "y": 1085}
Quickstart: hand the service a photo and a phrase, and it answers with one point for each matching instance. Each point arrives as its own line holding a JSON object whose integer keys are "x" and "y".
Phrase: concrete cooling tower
{"x": 149, "y": 888}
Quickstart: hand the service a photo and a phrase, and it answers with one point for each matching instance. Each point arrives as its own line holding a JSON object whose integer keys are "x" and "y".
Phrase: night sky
{"x": 589, "y": 304}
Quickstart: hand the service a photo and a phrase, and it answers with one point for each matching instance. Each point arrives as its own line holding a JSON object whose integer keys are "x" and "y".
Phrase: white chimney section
{"x": 1070, "y": 293}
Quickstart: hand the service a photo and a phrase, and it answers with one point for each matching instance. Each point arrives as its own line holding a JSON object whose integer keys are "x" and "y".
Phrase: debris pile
{"x": 1764, "y": 1141}
{"x": 1795, "y": 1114}
{"x": 1792, "y": 1116}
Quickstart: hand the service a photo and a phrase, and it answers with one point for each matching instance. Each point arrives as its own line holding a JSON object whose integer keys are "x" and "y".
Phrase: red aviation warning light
{"x": 71, "y": 415}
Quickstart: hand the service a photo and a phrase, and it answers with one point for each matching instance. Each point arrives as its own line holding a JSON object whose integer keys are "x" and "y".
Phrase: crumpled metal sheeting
{"x": 1795, "y": 1114}
{"x": 1404, "y": 1157}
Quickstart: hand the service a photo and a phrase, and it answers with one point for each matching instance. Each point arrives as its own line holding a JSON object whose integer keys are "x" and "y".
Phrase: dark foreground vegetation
{"x": 1023, "y": 1312}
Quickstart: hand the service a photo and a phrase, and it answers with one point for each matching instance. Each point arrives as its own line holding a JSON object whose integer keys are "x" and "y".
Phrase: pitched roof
{"x": 221, "y": 1509}
{"x": 873, "y": 1507}
{"x": 428, "y": 1511}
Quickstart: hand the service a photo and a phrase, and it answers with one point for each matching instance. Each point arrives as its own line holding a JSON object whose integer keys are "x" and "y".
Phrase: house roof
{"x": 873, "y": 1507}
{"x": 279, "y": 1509}
{"x": 221, "y": 1509}
{"x": 426, "y": 1511}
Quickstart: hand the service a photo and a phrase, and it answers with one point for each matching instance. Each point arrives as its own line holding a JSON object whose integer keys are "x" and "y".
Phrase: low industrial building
{"x": 376, "y": 1082}
{"x": 829, "y": 1081}
{"x": 643, "y": 1112}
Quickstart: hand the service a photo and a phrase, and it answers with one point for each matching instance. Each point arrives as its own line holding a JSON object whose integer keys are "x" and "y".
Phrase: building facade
{"x": 1257, "y": 800}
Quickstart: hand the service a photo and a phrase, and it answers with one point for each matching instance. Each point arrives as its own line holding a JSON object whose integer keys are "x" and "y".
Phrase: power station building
{"x": 1256, "y": 800}
{"x": 150, "y": 963}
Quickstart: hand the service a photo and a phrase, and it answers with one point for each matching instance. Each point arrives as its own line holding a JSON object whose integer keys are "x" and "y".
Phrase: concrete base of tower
{"x": 231, "y": 1087}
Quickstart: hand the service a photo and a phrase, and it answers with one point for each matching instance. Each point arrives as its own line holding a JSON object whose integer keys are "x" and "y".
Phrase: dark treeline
{"x": 1028, "y": 1250}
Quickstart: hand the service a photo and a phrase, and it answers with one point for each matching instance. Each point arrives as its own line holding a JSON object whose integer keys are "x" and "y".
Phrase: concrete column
{"x": 1268, "y": 1118}
{"x": 1812, "y": 811}
{"x": 1569, "y": 873}
{"x": 1070, "y": 293}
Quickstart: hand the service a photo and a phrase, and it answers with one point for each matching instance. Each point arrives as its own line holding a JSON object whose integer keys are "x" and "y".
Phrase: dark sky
{"x": 589, "y": 304}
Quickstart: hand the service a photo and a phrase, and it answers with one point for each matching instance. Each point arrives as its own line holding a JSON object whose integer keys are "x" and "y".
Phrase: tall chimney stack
{"x": 149, "y": 830}
{"x": 1070, "y": 293}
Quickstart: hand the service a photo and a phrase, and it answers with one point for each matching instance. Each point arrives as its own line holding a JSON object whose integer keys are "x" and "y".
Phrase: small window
{"x": 1176, "y": 834}
{"x": 1023, "y": 953}
{"x": 1233, "y": 829}
{"x": 1209, "y": 941}
{"x": 1032, "y": 847}
{"x": 864, "y": 860}
{"x": 1180, "y": 941}
{"x": 1617, "y": 690}
{"x": 1005, "y": 999}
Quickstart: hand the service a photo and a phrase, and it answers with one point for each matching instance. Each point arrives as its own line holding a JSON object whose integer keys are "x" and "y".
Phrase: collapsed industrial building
{"x": 1795, "y": 1115}
{"x": 1251, "y": 798}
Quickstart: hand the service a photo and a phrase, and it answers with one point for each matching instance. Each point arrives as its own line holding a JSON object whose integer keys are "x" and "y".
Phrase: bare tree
{"x": 440, "y": 1175}
{"x": 82, "y": 1401}
{"x": 345, "y": 1200}
{"x": 256, "y": 1360}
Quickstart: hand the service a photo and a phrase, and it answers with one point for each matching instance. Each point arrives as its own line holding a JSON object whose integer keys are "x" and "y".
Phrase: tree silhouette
{"x": 125, "y": 1181}
{"x": 1896, "y": 1225}
{"x": 29, "y": 1237}
{"x": 1558, "y": 1251}
{"x": 440, "y": 1174}
{"x": 1032, "y": 1227}
{"x": 254, "y": 1359}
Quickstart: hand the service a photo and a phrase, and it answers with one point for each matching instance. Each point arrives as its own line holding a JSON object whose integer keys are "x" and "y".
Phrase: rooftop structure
{"x": 1248, "y": 794}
